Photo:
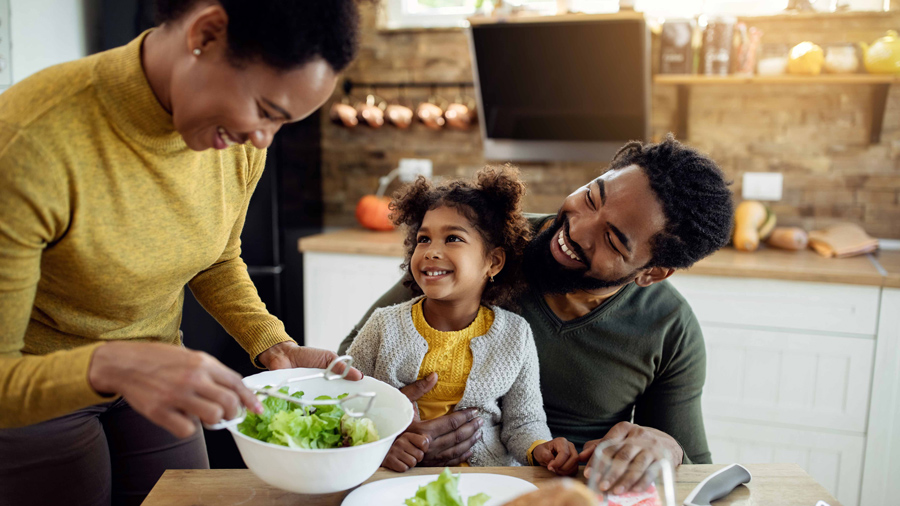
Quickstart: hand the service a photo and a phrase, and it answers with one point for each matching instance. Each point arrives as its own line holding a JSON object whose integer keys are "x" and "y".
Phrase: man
{"x": 621, "y": 354}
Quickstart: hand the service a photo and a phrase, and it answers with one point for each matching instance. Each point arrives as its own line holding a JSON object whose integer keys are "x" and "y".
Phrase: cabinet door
{"x": 834, "y": 460}
{"x": 788, "y": 377}
{"x": 880, "y": 484}
{"x": 791, "y": 305}
{"x": 338, "y": 289}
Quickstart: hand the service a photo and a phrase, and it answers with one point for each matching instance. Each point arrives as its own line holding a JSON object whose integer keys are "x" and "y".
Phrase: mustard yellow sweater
{"x": 105, "y": 216}
{"x": 450, "y": 357}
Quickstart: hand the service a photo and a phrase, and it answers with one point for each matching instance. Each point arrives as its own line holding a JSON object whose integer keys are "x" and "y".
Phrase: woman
{"x": 123, "y": 177}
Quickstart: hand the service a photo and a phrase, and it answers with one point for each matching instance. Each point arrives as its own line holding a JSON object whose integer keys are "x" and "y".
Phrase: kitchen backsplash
{"x": 816, "y": 135}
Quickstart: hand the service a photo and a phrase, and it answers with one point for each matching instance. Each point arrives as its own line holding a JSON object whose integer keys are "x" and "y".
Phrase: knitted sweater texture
{"x": 503, "y": 383}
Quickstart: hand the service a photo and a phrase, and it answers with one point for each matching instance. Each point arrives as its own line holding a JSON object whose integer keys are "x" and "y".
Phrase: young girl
{"x": 464, "y": 245}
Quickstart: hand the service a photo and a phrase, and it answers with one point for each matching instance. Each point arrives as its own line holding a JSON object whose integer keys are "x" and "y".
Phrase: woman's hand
{"x": 558, "y": 456}
{"x": 169, "y": 384}
{"x": 289, "y": 354}
{"x": 406, "y": 452}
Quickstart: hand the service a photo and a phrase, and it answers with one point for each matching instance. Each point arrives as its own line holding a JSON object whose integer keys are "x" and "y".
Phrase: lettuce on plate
{"x": 444, "y": 491}
{"x": 309, "y": 427}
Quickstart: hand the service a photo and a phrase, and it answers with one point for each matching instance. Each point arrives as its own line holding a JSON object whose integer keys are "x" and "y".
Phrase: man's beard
{"x": 543, "y": 271}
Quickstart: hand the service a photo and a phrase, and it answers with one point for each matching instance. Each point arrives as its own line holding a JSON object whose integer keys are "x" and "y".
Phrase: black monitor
{"x": 562, "y": 90}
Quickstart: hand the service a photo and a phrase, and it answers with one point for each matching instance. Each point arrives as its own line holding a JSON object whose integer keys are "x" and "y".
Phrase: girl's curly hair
{"x": 493, "y": 205}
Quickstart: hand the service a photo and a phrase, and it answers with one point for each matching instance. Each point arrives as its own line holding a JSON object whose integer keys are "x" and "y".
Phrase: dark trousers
{"x": 107, "y": 454}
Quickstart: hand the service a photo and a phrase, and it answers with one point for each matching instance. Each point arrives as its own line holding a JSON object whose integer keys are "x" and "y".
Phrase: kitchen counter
{"x": 890, "y": 262}
{"x": 772, "y": 484}
{"x": 768, "y": 263}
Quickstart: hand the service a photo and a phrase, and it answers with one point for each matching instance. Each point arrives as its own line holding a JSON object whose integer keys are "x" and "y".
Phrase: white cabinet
{"x": 882, "y": 469}
{"x": 788, "y": 305}
{"x": 833, "y": 459}
{"x": 338, "y": 289}
{"x": 796, "y": 378}
{"x": 789, "y": 373}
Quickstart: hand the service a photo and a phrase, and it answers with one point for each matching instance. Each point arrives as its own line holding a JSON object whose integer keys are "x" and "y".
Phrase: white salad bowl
{"x": 332, "y": 470}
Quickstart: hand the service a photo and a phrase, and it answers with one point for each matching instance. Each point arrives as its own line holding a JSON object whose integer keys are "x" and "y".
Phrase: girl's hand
{"x": 558, "y": 456}
{"x": 406, "y": 452}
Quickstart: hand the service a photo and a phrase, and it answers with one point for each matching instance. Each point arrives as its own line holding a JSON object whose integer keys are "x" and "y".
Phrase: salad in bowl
{"x": 333, "y": 443}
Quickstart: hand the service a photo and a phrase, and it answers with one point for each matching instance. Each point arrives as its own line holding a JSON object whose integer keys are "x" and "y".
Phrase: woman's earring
{"x": 492, "y": 279}
{"x": 197, "y": 52}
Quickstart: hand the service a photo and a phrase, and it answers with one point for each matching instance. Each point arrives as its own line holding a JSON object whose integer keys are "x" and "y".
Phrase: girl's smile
{"x": 450, "y": 261}
{"x": 430, "y": 274}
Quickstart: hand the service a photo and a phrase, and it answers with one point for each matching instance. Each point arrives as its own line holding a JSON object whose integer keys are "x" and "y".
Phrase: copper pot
{"x": 431, "y": 115}
{"x": 460, "y": 115}
{"x": 399, "y": 115}
{"x": 343, "y": 114}
{"x": 371, "y": 112}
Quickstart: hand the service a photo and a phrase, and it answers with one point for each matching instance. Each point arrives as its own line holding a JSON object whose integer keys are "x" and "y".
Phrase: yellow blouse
{"x": 450, "y": 357}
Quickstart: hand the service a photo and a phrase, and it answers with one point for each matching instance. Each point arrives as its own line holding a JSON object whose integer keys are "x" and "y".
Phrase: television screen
{"x": 545, "y": 83}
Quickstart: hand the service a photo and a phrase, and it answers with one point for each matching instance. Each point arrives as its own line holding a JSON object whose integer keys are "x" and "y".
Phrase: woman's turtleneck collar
{"x": 125, "y": 93}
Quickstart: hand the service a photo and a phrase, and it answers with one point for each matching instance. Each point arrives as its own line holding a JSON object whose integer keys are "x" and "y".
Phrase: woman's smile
{"x": 224, "y": 139}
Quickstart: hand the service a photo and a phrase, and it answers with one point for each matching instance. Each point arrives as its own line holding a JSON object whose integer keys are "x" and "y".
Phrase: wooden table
{"x": 772, "y": 485}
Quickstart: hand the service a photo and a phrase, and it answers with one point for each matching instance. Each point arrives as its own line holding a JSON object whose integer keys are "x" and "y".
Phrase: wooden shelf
{"x": 527, "y": 17}
{"x": 686, "y": 82}
{"x": 806, "y": 16}
{"x": 691, "y": 79}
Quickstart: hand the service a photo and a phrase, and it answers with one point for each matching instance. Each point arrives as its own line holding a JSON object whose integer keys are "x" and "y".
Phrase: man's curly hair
{"x": 695, "y": 199}
{"x": 492, "y": 203}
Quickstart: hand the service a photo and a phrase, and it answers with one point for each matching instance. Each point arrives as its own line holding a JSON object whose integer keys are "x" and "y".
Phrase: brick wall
{"x": 817, "y": 135}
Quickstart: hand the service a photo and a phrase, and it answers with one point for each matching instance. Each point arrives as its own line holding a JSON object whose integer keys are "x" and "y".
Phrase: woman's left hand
{"x": 289, "y": 354}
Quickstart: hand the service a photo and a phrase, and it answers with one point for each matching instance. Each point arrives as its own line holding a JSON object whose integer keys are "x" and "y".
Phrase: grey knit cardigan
{"x": 504, "y": 373}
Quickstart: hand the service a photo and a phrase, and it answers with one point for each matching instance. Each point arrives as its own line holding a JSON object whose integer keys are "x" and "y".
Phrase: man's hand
{"x": 289, "y": 354}
{"x": 170, "y": 385}
{"x": 631, "y": 451}
{"x": 558, "y": 456}
{"x": 406, "y": 452}
{"x": 450, "y": 437}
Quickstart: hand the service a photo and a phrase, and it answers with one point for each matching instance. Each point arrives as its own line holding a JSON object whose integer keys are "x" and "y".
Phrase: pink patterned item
{"x": 648, "y": 497}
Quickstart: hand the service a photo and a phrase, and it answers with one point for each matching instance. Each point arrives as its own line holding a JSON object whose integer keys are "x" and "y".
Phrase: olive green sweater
{"x": 639, "y": 352}
{"x": 105, "y": 216}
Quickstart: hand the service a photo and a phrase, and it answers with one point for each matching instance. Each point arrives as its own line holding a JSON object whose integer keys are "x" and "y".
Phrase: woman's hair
{"x": 493, "y": 205}
{"x": 284, "y": 34}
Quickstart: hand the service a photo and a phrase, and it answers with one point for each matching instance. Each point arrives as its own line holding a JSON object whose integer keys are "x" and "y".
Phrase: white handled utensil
{"x": 328, "y": 374}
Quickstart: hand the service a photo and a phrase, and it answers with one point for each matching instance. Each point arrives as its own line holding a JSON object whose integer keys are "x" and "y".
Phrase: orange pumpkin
{"x": 373, "y": 213}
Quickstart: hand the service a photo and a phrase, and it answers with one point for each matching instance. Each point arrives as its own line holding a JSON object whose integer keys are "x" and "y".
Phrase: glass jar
{"x": 718, "y": 39}
{"x": 841, "y": 59}
{"x": 773, "y": 59}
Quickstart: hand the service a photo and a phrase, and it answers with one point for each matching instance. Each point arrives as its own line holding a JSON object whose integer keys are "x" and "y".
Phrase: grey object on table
{"x": 718, "y": 485}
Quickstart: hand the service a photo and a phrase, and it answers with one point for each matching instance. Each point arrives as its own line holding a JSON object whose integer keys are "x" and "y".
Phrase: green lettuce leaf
{"x": 478, "y": 500}
{"x": 287, "y": 424}
{"x": 444, "y": 491}
{"x": 358, "y": 431}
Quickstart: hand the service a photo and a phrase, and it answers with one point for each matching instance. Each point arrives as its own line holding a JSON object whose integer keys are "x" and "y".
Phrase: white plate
{"x": 393, "y": 491}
